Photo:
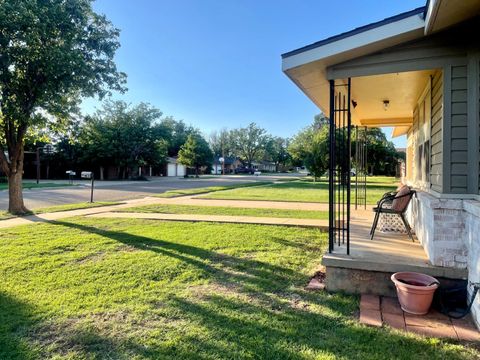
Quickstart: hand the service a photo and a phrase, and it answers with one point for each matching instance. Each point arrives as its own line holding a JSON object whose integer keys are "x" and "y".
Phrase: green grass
{"x": 303, "y": 191}
{"x": 232, "y": 211}
{"x": 209, "y": 189}
{"x": 4, "y": 215}
{"x": 33, "y": 185}
{"x": 86, "y": 288}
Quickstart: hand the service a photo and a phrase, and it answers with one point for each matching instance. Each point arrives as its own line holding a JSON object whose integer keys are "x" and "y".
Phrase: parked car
{"x": 244, "y": 170}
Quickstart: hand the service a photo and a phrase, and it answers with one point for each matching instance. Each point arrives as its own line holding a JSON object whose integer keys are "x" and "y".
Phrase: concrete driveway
{"x": 123, "y": 190}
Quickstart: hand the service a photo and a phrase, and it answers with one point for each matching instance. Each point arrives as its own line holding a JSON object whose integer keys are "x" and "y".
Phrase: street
{"x": 122, "y": 190}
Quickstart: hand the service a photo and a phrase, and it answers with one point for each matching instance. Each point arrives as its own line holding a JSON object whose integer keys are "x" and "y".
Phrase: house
{"x": 417, "y": 72}
{"x": 230, "y": 163}
{"x": 265, "y": 166}
{"x": 174, "y": 168}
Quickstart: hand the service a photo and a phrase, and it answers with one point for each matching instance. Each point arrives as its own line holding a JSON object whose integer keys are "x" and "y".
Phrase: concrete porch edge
{"x": 350, "y": 262}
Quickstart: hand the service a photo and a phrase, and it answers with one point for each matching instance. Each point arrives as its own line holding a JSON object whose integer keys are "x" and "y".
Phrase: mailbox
{"x": 70, "y": 172}
{"x": 86, "y": 175}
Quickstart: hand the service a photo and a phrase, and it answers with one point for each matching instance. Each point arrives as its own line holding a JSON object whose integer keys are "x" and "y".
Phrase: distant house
{"x": 174, "y": 168}
{"x": 266, "y": 166}
{"x": 230, "y": 164}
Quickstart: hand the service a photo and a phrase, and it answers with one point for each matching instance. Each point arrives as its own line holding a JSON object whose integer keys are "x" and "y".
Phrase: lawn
{"x": 232, "y": 211}
{"x": 303, "y": 191}
{"x": 209, "y": 189}
{"x": 33, "y": 185}
{"x": 84, "y": 288}
{"x": 4, "y": 215}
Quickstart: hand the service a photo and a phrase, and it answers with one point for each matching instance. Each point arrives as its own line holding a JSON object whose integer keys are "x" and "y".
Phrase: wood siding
{"x": 436, "y": 133}
{"x": 458, "y": 130}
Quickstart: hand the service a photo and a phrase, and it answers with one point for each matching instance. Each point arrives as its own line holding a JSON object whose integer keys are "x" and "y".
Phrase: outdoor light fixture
{"x": 354, "y": 103}
{"x": 386, "y": 104}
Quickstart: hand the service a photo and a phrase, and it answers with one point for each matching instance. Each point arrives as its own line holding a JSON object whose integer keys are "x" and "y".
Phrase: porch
{"x": 371, "y": 262}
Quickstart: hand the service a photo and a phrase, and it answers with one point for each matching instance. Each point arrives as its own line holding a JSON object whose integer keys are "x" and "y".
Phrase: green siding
{"x": 436, "y": 134}
{"x": 458, "y": 130}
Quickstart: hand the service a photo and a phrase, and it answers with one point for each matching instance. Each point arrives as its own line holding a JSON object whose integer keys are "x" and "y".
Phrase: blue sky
{"x": 217, "y": 63}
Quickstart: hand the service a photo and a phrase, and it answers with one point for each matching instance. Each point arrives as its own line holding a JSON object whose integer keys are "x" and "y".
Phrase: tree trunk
{"x": 101, "y": 173}
{"x": 196, "y": 171}
{"x": 15, "y": 195}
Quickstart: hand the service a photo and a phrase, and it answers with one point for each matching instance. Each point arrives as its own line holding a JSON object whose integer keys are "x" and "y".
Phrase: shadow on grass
{"x": 26, "y": 334}
{"x": 14, "y": 317}
{"x": 252, "y": 274}
{"x": 263, "y": 316}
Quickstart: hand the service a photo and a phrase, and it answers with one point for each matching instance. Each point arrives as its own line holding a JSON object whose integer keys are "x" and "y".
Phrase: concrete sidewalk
{"x": 217, "y": 218}
{"x": 185, "y": 200}
{"x": 26, "y": 220}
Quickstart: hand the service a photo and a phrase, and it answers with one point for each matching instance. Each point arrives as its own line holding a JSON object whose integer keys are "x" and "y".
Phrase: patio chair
{"x": 394, "y": 203}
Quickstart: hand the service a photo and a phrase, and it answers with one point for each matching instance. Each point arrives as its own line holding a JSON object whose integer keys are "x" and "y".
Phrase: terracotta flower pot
{"x": 415, "y": 291}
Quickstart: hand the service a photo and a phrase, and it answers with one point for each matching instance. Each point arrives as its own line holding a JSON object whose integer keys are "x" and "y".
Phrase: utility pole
{"x": 38, "y": 165}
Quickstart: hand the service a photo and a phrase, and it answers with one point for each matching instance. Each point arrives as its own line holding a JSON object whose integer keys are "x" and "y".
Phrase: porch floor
{"x": 387, "y": 252}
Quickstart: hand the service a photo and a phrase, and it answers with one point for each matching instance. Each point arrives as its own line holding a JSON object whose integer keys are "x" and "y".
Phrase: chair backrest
{"x": 402, "y": 199}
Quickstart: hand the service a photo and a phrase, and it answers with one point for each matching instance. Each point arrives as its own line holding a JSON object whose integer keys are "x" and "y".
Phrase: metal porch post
{"x": 331, "y": 170}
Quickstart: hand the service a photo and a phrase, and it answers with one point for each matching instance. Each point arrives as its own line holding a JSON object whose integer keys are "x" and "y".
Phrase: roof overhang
{"x": 399, "y": 131}
{"x": 441, "y": 14}
{"x": 307, "y": 66}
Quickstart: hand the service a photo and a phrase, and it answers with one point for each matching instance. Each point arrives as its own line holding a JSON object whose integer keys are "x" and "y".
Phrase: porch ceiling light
{"x": 386, "y": 104}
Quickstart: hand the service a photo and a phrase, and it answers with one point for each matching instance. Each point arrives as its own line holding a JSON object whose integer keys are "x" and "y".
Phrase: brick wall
{"x": 440, "y": 228}
{"x": 472, "y": 239}
{"x": 449, "y": 231}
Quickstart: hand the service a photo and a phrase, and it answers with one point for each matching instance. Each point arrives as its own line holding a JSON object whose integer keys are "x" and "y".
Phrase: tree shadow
{"x": 25, "y": 334}
{"x": 249, "y": 330}
{"x": 262, "y": 316}
{"x": 15, "y": 316}
{"x": 247, "y": 273}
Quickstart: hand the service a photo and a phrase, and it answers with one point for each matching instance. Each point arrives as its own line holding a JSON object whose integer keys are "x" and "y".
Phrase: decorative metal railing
{"x": 340, "y": 164}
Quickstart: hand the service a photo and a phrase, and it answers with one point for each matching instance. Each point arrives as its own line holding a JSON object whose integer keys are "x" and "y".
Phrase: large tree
{"x": 220, "y": 142}
{"x": 195, "y": 153}
{"x": 382, "y": 156}
{"x": 277, "y": 151}
{"x": 249, "y": 143}
{"x": 177, "y": 133}
{"x": 310, "y": 148}
{"x": 124, "y": 136}
{"x": 52, "y": 53}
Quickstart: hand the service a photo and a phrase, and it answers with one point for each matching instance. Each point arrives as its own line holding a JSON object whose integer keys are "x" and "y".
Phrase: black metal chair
{"x": 393, "y": 203}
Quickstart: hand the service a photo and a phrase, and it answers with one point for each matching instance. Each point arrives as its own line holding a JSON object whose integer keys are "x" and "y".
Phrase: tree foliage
{"x": 124, "y": 136}
{"x": 249, "y": 143}
{"x": 310, "y": 148}
{"x": 277, "y": 151}
{"x": 221, "y": 142}
{"x": 382, "y": 156}
{"x": 177, "y": 133}
{"x": 53, "y": 53}
{"x": 195, "y": 152}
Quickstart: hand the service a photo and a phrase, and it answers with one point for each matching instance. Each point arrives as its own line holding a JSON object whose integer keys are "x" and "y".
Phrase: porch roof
{"x": 311, "y": 67}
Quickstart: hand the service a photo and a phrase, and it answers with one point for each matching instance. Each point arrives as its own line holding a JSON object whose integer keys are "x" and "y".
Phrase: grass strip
{"x": 5, "y": 215}
{"x": 33, "y": 185}
{"x": 229, "y": 211}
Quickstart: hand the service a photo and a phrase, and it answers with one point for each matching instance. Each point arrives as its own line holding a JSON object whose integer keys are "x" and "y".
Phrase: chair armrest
{"x": 385, "y": 200}
{"x": 411, "y": 193}
{"x": 390, "y": 193}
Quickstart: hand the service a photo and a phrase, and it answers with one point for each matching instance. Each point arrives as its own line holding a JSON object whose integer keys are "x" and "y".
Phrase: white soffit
{"x": 402, "y": 90}
{"x": 306, "y": 67}
{"x": 399, "y": 131}
{"x": 442, "y": 14}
